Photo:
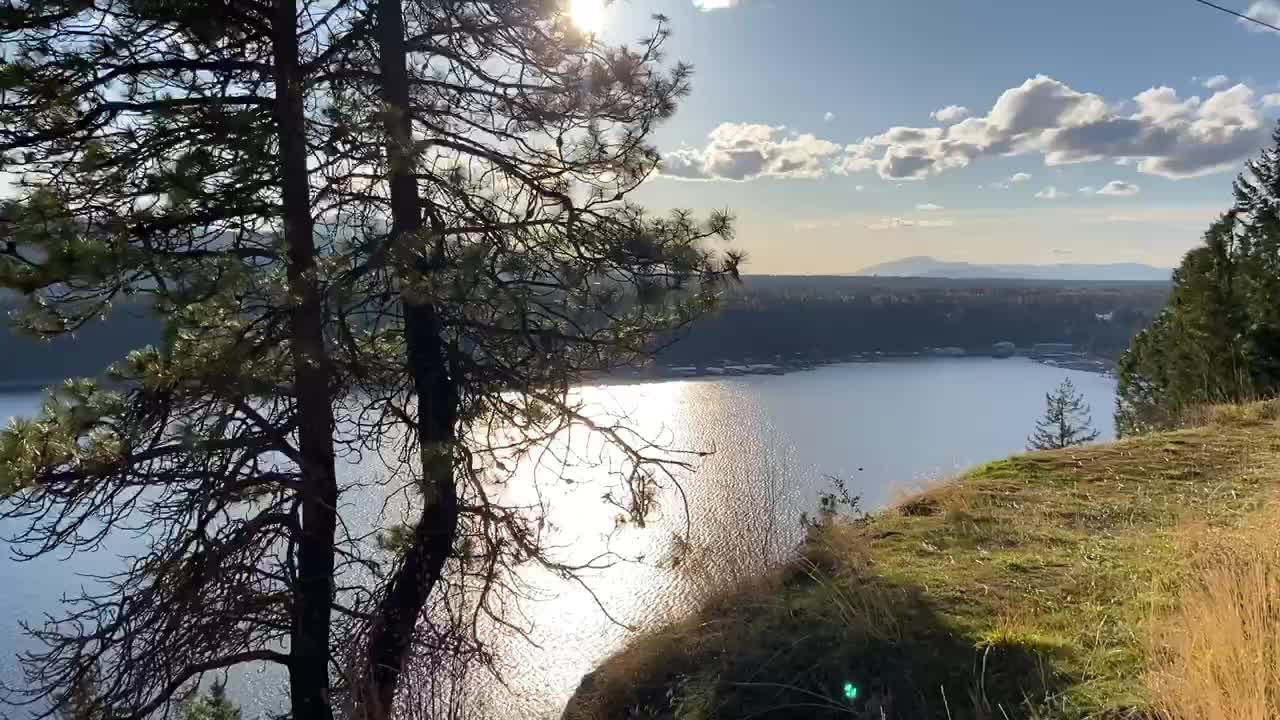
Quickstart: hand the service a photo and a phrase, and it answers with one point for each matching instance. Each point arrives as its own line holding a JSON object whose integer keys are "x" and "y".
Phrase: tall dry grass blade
{"x": 1217, "y": 657}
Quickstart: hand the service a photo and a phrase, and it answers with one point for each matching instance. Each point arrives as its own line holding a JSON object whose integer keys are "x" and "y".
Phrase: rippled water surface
{"x": 885, "y": 427}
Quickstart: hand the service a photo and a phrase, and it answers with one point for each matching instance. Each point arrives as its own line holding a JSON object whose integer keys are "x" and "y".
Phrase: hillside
{"x": 1027, "y": 588}
{"x": 927, "y": 267}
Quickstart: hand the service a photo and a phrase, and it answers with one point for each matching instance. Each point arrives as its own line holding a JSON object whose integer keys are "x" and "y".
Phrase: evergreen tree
{"x": 1218, "y": 339}
{"x": 1198, "y": 349}
{"x": 162, "y": 151}
{"x": 399, "y": 239}
{"x": 212, "y": 705}
{"x": 1066, "y": 422}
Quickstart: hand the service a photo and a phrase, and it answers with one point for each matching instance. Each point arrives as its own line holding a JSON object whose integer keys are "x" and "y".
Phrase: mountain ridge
{"x": 925, "y": 266}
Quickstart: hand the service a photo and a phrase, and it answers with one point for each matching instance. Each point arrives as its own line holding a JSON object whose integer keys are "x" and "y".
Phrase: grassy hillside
{"x": 1047, "y": 585}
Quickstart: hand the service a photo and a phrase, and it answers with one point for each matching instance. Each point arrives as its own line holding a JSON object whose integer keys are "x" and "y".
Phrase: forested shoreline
{"x": 824, "y": 318}
{"x": 816, "y": 319}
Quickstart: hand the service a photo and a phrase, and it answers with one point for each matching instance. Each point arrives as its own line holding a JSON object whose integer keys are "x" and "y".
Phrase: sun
{"x": 587, "y": 15}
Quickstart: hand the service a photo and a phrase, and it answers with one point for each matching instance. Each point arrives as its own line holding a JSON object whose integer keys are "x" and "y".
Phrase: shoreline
{"x": 725, "y": 368}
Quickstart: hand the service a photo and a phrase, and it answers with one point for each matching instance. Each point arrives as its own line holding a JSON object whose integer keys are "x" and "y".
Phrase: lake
{"x": 886, "y": 428}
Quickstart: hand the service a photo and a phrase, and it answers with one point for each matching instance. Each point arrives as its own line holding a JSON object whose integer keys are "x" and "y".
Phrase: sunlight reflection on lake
{"x": 887, "y": 428}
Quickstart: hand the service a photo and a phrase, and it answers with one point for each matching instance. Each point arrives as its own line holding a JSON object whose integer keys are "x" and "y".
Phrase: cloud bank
{"x": 893, "y": 223}
{"x": 709, "y": 5}
{"x": 744, "y": 151}
{"x": 1157, "y": 132}
{"x": 1161, "y": 133}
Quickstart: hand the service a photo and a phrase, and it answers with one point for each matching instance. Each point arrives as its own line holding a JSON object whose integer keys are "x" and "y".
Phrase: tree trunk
{"x": 428, "y": 366}
{"x": 313, "y": 591}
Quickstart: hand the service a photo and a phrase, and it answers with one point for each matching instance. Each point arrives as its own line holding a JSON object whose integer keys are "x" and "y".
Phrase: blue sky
{"x": 811, "y": 121}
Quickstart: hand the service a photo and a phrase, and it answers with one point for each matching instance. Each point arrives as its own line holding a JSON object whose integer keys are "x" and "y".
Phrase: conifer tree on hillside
{"x": 1066, "y": 422}
{"x": 407, "y": 266}
{"x": 210, "y": 705}
{"x": 1218, "y": 339}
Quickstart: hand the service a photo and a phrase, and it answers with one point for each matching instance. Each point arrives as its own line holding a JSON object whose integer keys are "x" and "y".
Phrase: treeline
{"x": 815, "y": 317}
{"x": 829, "y": 317}
{"x": 1218, "y": 339}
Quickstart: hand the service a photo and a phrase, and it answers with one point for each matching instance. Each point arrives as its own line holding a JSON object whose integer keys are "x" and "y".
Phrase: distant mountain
{"x": 931, "y": 267}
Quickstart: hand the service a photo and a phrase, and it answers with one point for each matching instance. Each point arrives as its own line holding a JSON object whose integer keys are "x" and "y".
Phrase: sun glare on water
{"x": 588, "y": 15}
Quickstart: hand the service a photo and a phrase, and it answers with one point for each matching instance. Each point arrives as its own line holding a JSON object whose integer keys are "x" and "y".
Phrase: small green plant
{"x": 833, "y": 503}
{"x": 211, "y": 705}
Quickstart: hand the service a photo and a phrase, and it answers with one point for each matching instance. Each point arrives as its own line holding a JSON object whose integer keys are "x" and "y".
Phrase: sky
{"x": 842, "y": 133}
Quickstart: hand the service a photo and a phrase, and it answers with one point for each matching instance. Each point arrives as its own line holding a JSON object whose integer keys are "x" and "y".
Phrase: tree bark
{"x": 309, "y": 637}
{"x": 428, "y": 366}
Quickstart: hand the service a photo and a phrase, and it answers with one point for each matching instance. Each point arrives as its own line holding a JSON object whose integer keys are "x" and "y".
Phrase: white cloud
{"x": 859, "y": 188}
{"x": 1050, "y": 193}
{"x": 1268, "y": 11}
{"x": 893, "y": 223}
{"x": 1088, "y": 190}
{"x": 1167, "y": 136}
{"x": 1159, "y": 134}
{"x": 828, "y": 116}
{"x": 950, "y": 114}
{"x": 743, "y": 151}
{"x": 1217, "y": 81}
{"x": 1062, "y": 252}
{"x": 1019, "y": 177}
{"x": 811, "y": 225}
{"x": 1119, "y": 188}
{"x": 928, "y": 207}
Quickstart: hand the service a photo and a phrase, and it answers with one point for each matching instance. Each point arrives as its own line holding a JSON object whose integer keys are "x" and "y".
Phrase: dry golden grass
{"x": 663, "y": 653}
{"x": 1217, "y": 655}
{"x": 1252, "y": 413}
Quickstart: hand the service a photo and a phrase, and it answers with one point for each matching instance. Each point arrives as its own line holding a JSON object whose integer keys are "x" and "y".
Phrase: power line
{"x": 1242, "y": 16}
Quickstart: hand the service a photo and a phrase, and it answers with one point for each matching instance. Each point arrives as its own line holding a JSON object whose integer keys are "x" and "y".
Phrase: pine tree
{"x": 1066, "y": 422}
{"x": 162, "y": 151}
{"x": 1218, "y": 339}
{"x": 520, "y": 268}
{"x": 211, "y": 705}
{"x": 1198, "y": 349}
{"x": 412, "y": 266}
